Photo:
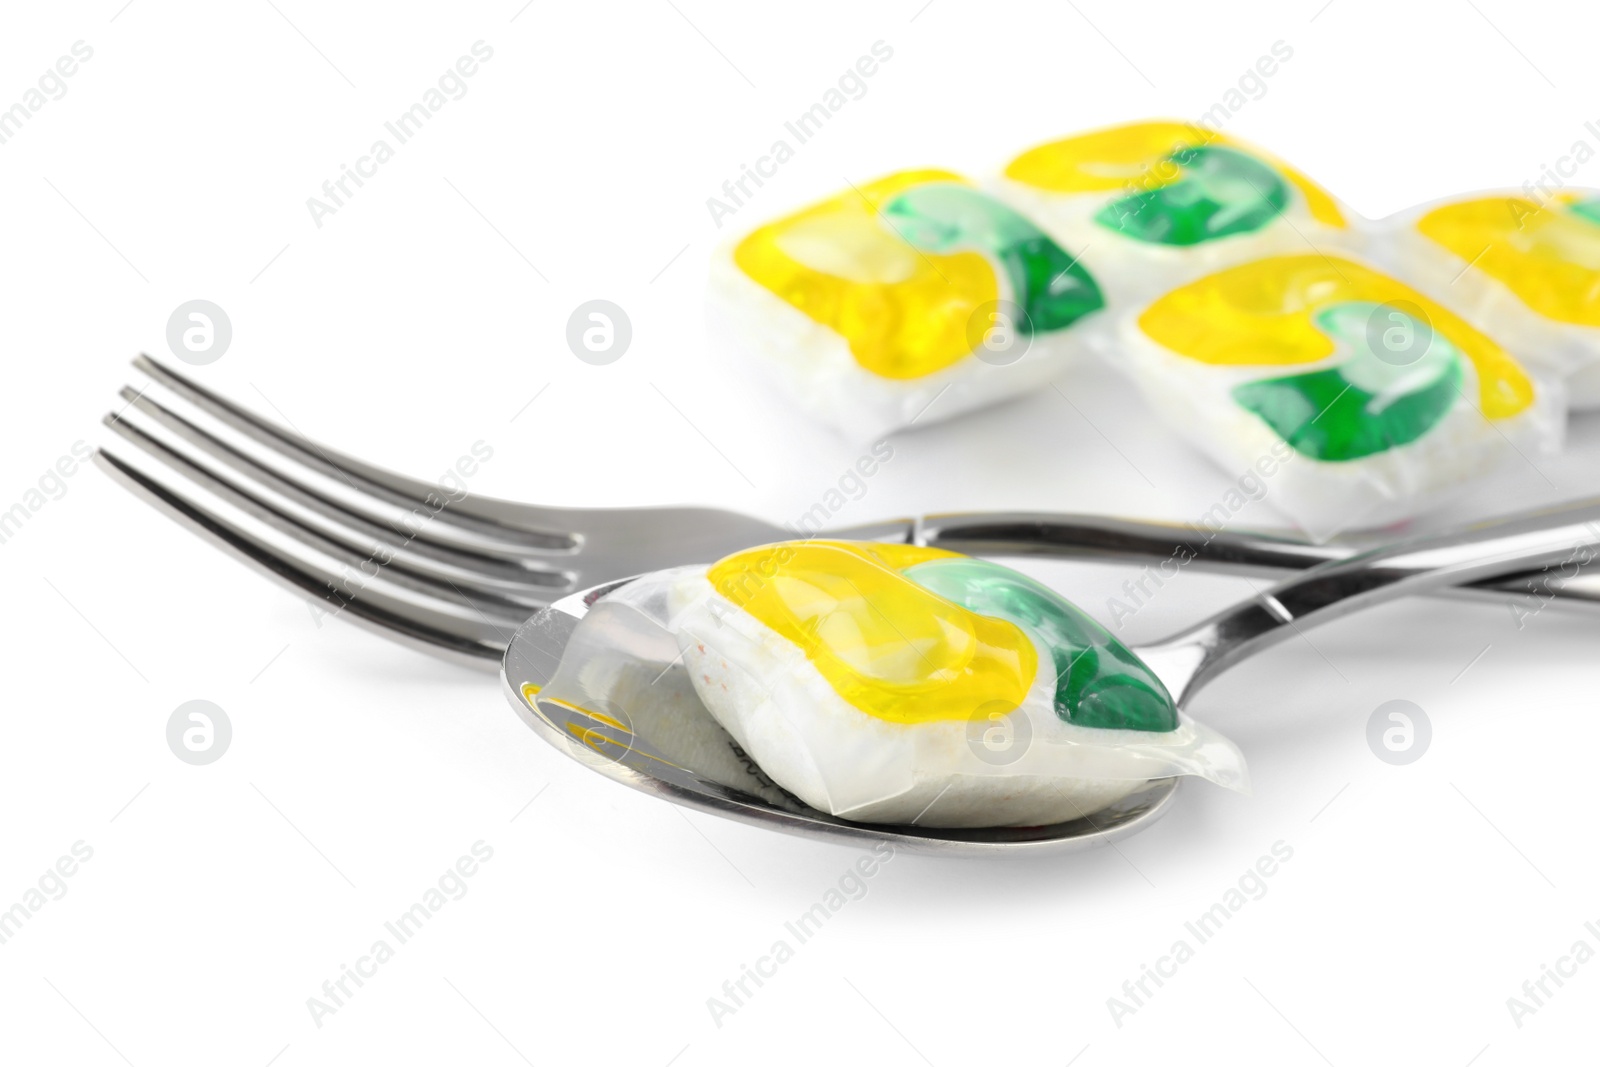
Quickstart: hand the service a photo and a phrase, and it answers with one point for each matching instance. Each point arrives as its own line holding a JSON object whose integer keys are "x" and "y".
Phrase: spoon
{"x": 662, "y": 742}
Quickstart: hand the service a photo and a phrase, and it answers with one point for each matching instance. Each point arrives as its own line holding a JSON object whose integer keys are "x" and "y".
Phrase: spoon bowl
{"x": 636, "y": 736}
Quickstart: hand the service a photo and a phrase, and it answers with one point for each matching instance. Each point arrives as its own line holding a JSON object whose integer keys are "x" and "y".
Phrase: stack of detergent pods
{"x": 1378, "y": 367}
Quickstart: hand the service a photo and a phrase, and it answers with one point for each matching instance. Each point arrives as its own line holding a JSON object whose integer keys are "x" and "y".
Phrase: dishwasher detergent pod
{"x": 1524, "y": 268}
{"x": 899, "y": 684}
{"x": 1155, "y": 203}
{"x": 910, "y": 298}
{"x": 1360, "y": 401}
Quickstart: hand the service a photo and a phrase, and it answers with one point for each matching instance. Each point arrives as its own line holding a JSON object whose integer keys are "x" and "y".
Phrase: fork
{"x": 456, "y": 574}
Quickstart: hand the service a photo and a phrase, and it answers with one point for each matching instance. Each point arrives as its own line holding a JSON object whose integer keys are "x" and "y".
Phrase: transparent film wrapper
{"x": 908, "y": 299}
{"x": 747, "y": 699}
{"x": 621, "y": 692}
{"x": 1522, "y": 265}
{"x": 1340, "y": 394}
{"x": 1158, "y": 203}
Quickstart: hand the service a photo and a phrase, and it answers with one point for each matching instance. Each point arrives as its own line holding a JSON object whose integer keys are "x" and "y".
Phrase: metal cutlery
{"x": 625, "y": 745}
{"x": 461, "y": 575}
{"x": 457, "y": 576}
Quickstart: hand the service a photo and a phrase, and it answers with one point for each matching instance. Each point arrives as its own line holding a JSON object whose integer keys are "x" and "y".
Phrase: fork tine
{"x": 526, "y": 583}
{"x": 591, "y": 544}
{"x": 382, "y": 496}
{"x": 427, "y": 613}
{"x": 576, "y": 545}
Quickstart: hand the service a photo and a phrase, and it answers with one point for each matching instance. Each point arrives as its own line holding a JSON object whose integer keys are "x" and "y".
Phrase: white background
{"x": 430, "y": 309}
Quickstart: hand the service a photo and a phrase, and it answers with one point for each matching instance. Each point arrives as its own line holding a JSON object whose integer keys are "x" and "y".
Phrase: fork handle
{"x": 1558, "y": 537}
{"x": 1175, "y": 547}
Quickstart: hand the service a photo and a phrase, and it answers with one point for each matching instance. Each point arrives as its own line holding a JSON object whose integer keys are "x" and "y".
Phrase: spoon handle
{"x": 1201, "y": 547}
{"x": 1565, "y": 537}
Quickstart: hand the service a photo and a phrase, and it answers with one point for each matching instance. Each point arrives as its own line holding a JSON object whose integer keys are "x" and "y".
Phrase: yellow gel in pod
{"x": 1548, "y": 256}
{"x": 887, "y": 645}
